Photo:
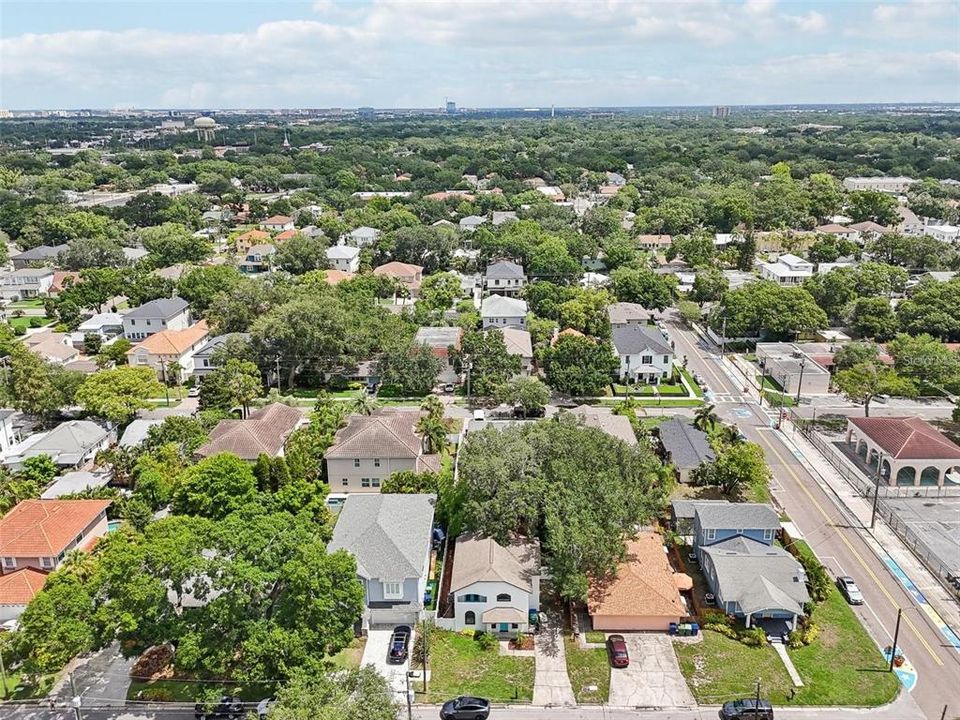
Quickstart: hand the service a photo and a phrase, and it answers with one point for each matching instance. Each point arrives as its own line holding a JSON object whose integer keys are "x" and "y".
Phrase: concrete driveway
{"x": 653, "y": 678}
{"x": 375, "y": 654}
{"x": 551, "y": 684}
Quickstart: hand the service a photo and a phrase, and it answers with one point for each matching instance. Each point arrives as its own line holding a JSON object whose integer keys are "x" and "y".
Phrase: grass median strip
{"x": 588, "y": 669}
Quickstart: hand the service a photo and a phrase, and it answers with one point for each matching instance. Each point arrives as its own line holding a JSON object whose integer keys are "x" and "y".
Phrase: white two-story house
{"x": 644, "y": 352}
{"x": 345, "y": 258}
{"x": 500, "y": 312}
{"x": 788, "y": 270}
{"x": 155, "y": 316}
{"x": 493, "y": 588}
{"x": 504, "y": 277}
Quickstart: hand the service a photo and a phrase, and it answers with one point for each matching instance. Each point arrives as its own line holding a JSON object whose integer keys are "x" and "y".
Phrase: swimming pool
{"x": 114, "y": 525}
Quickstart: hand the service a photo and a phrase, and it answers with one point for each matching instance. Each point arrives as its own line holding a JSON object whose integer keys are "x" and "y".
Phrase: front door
{"x": 504, "y": 627}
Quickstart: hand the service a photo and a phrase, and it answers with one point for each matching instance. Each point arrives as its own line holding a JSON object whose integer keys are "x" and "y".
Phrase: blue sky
{"x": 480, "y": 53}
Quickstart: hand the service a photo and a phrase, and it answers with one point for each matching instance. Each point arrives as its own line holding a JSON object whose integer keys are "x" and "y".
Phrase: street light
{"x": 763, "y": 379}
{"x": 876, "y": 491}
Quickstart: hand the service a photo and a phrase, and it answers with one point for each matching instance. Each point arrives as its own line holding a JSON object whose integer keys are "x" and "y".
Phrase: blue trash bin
{"x": 673, "y": 629}
{"x": 694, "y": 628}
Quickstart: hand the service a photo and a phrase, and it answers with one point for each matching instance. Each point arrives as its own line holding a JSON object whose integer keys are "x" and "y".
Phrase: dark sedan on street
{"x": 465, "y": 708}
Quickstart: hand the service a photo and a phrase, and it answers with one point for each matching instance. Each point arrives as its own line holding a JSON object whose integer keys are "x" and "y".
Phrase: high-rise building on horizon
{"x": 451, "y": 107}
{"x": 721, "y": 111}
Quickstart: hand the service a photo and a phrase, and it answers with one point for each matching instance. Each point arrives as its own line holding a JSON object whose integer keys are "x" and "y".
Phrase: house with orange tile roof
{"x": 644, "y": 594}
{"x": 286, "y": 235}
{"x": 247, "y": 240}
{"x": 410, "y": 276}
{"x": 39, "y": 533}
{"x": 170, "y": 346}
{"x": 334, "y": 277}
{"x": 17, "y": 590}
{"x": 63, "y": 279}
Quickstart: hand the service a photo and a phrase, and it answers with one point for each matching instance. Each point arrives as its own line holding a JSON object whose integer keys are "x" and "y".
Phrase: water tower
{"x": 205, "y": 127}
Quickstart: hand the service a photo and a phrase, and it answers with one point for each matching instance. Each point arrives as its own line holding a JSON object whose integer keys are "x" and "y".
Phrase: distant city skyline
{"x": 496, "y": 53}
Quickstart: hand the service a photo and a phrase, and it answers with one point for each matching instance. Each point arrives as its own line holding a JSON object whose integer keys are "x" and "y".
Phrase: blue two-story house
{"x": 390, "y": 537}
{"x": 751, "y": 578}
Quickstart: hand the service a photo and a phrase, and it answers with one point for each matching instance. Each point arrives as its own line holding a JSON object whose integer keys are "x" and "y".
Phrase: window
{"x": 392, "y": 590}
{"x": 345, "y": 482}
{"x": 356, "y": 462}
{"x": 768, "y": 534}
{"x": 666, "y": 359}
{"x": 514, "y": 626}
{"x": 503, "y": 597}
{"x": 9, "y": 562}
{"x": 646, "y": 359}
{"x": 710, "y": 534}
{"x": 364, "y": 482}
{"x": 472, "y": 598}
{"x": 132, "y": 321}
{"x": 148, "y": 323}
{"x": 469, "y": 618}
{"x": 374, "y": 482}
{"x": 46, "y": 562}
{"x": 78, "y": 539}
{"x": 376, "y": 462}
{"x": 206, "y": 363}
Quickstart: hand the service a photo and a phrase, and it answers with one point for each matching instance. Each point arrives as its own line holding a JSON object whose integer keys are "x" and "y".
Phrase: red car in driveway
{"x": 617, "y": 651}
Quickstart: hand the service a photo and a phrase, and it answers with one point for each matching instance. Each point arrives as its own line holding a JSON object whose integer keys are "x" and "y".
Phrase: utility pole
{"x": 277, "y": 361}
{"x": 763, "y": 380}
{"x": 409, "y": 698}
{"x": 723, "y": 336}
{"x": 876, "y": 492}
{"x": 896, "y": 636}
{"x": 163, "y": 374}
{"x": 803, "y": 362}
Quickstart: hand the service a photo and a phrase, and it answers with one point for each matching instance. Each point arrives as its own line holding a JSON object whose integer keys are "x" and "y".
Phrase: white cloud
{"x": 811, "y": 22}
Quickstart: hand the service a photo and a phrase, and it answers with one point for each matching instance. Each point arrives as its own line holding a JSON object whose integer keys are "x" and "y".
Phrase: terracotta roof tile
{"x": 907, "y": 438}
{"x": 21, "y": 586}
{"x": 644, "y": 585}
{"x": 44, "y": 528}
{"x": 172, "y": 342}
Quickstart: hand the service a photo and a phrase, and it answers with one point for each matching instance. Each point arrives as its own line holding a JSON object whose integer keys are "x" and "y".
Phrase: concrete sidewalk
{"x": 882, "y": 540}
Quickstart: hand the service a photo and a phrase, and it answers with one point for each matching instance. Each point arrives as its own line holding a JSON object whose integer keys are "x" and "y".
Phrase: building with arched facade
{"x": 907, "y": 451}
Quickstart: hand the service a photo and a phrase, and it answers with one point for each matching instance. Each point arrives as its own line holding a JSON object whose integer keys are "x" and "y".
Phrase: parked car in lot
{"x": 399, "y": 644}
{"x": 465, "y": 708}
{"x": 194, "y": 391}
{"x": 617, "y": 651}
{"x": 229, "y": 706}
{"x": 848, "y": 588}
{"x": 747, "y": 709}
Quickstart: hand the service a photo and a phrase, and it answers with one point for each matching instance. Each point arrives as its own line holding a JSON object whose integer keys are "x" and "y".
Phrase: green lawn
{"x": 587, "y": 668}
{"x": 351, "y": 655}
{"x": 842, "y": 666}
{"x": 664, "y": 389}
{"x": 24, "y": 321}
{"x": 595, "y": 636}
{"x": 23, "y": 304}
{"x": 16, "y": 689}
{"x": 689, "y": 378}
{"x": 459, "y": 666}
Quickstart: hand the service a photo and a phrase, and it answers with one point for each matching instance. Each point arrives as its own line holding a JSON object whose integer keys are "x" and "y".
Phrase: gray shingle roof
{"x": 41, "y": 252}
{"x": 483, "y": 559}
{"x": 688, "y": 447}
{"x": 686, "y": 509}
{"x": 737, "y": 516}
{"x": 68, "y": 441}
{"x": 634, "y": 339}
{"x": 389, "y": 535}
{"x": 758, "y": 576}
{"x": 621, "y": 313}
{"x": 504, "y": 270}
{"x": 162, "y": 307}
{"x": 211, "y": 345}
{"x": 500, "y": 306}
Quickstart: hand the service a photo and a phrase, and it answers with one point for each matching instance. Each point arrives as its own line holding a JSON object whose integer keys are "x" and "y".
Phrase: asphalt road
{"x": 836, "y": 538}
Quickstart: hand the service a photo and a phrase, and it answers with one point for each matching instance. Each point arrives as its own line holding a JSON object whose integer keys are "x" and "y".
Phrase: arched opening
{"x": 885, "y": 471}
{"x": 862, "y": 450}
{"x": 469, "y": 618}
{"x": 952, "y": 475}
{"x": 872, "y": 459}
{"x": 503, "y": 597}
{"x": 907, "y": 475}
{"x": 930, "y": 476}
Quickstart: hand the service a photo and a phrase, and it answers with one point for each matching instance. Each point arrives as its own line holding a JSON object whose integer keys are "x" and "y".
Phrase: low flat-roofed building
{"x": 792, "y": 369}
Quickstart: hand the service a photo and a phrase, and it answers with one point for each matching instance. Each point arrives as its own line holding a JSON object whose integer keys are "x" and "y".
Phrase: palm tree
{"x": 79, "y": 564}
{"x": 364, "y": 404}
{"x": 432, "y": 406}
{"x": 705, "y": 418}
{"x": 434, "y": 433}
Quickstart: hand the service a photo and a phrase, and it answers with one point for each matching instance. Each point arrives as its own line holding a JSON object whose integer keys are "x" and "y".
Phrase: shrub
{"x": 36, "y": 322}
{"x": 754, "y": 637}
{"x": 486, "y": 641}
{"x": 804, "y": 634}
{"x": 19, "y": 330}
